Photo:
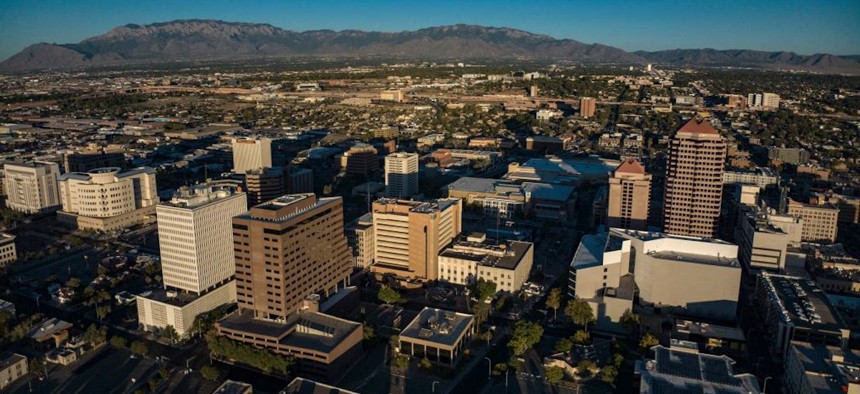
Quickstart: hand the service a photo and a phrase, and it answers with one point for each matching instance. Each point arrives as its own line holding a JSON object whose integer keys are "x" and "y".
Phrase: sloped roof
{"x": 698, "y": 126}
{"x": 631, "y": 166}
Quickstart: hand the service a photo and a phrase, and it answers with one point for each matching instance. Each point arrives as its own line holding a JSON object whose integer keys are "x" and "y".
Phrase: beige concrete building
{"x": 360, "y": 160}
{"x": 251, "y": 154}
{"x": 361, "y": 240}
{"x": 764, "y": 237}
{"x": 401, "y": 174}
{"x": 587, "y": 107}
{"x": 392, "y": 95}
{"x": 507, "y": 264}
{"x": 629, "y": 196}
{"x": 819, "y": 221}
{"x": 408, "y": 235}
{"x": 106, "y": 199}
{"x": 8, "y": 253}
{"x": 31, "y": 187}
{"x": 440, "y": 336}
{"x": 287, "y": 249}
{"x": 683, "y": 275}
{"x": 694, "y": 180}
{"x": 12, "y": 367}
{"x": 196, "y": 240}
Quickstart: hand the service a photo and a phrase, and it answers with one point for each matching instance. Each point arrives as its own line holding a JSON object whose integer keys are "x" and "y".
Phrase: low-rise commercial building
{"x": 682, "y": 370}
{"x": 106, "y": 199}
{"x": 507, "y": 264}
{"x": 760, "y": 176}
{"x": 8, "y": 253}
{"x": 764, "y": 237}
{"x": 814, "y": 368}
{"x": 12, "y": 367}
{"x": 438, "y": 335}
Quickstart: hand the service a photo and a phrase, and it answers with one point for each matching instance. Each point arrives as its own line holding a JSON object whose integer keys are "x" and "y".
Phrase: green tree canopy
{"x": 388, "y": 295}
{"x": 579, "y": 312}
{"x": 553, "y": 300}
{"x": 526, "y": 334}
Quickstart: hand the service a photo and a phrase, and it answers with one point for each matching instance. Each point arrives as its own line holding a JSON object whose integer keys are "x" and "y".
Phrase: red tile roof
{"x": 698, "y": 126}
{"x": 631, "y": 166}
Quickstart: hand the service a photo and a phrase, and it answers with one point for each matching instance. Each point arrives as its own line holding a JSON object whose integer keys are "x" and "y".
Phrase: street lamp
{"x": 489, "y": 367}
{"x": 434, "y": 385}
{"x": 38, "y": 306}
{"x": 764, "y": 389}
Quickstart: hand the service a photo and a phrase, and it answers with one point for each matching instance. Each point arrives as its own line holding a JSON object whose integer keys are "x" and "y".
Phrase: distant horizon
{"x": 806, "y": 28}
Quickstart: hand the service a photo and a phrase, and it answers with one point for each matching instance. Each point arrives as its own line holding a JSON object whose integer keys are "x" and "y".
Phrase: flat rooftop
{"x": 507, "y": 255}
{"x": 802, "y": 302}
{"x": 234, "y": 387}
{"x": 708, "y": 330}
{"x": 438, "y": 326}
{"x": 823, "y": 373}
{"x": 307, "y": 386}
{"x": 696, "y": 258}
{"x": 308, "y": 330}
{"x": 9, "y": 359}
{"x": 681, "y": 371}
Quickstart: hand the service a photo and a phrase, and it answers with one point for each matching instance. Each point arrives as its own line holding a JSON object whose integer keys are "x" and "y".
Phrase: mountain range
{"x": 195, "y": 40}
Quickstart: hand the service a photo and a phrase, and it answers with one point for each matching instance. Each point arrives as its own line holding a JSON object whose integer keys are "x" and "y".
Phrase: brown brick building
{"x": 694, "y": 189}
{"x": 629, "y": 196}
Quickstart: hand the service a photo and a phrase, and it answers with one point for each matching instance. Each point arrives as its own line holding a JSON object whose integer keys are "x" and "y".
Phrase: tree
{"x": 400, "y": 361}
{"x": 118, "y": 341}
{"x": 579, "y": 312}
{"x": 647, "y": 342}
{"x": 553, "y": 300}
{"x": 584, "y": 368}
{"x": 500, "y": 369}
{"x": 368, "y": 333}
{"x": 95, "y": 335}
{"x": 37, "y": 366}
{"x": 482, "y": 289}
{"x": 164, "y": 374}
{"x": 581, "y": 337}
{"x": 102, "y": 311}
{"x": 169, "y": 334}
{"x": 138, "y": 347}
{"x": 629, "y": 320}
{"x": 74, "y": 283}
{"x": 388, "y": 295}
{"x": 209, "y": 373}
{"x": 425, "y": 363}
{"x": 526, "y": 334}
{"x": 610, "y": 372}
{"x": 563, "y": 345}
{"x": 554, "y": 374}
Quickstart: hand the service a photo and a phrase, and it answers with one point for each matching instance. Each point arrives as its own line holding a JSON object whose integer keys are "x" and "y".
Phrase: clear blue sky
{"x": 806, "y": 27}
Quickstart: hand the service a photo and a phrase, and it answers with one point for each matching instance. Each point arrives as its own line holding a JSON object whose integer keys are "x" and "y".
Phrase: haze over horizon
{"x": 806, "y": 27}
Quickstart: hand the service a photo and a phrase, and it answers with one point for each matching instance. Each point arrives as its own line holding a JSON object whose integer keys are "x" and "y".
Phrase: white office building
{"x": 401, "y": 175}
{"x": 31, "y": 187}
{"x": 106, "y": 199}
{"x": 196, "y": 241}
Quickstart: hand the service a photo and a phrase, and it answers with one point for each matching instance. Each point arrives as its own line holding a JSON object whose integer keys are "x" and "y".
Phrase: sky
{"x": 805, "y": 27}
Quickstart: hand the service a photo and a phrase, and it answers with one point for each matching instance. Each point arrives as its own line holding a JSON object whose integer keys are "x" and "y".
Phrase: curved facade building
{"x": 106, "y": 199}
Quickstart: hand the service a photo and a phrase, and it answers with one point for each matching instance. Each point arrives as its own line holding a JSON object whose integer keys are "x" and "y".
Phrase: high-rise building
{"x": 587, "y": 107}
{"x": 629, "y": 196}
{"x": 251, "y": 154}
{"x": 360, "y": 160}
{"x": 360, "y": 237}
{"x": 408, "y": 235}
{"x": 401, "y": 175}
{"x": 195, "y": 237}
{"x": 264, "y": 184}
{"x": 106, "y": 199}
{"x": 819, "y": 221}
{"x": 764, "y": 237}
{"x": 299, "y": 180}
{"x": 694, "y": 180}
{"x": 32, "y": 187}
{"x": 287, "y": 249}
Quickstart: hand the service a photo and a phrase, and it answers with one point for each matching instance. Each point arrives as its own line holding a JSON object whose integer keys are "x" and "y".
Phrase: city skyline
{"x": 802, "y": 27}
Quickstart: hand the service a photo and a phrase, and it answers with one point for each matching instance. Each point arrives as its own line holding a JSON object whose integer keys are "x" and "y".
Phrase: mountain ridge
{"x": 203, "y": 39}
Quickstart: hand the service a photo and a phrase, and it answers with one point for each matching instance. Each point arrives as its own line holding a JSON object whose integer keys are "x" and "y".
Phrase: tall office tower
{"x": 360, "y": 160}
{"x": 106, "y": 199}
{"x": 299, "y": 180}
{"x": 32, "y": 187}
{"x": 587, "y": 106}
{"x": 264, "y": 184}
{"x": 196, "y": 238}
{"x": 408, "y": 235}
{"x": 287, "y": 249}
{"x": 195, "y": 234}
{"x": 694, "y": 180}
{"x": 401, "y": 175}
{"x": 251, "y": 154}
{"x": 629, "y": 196}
